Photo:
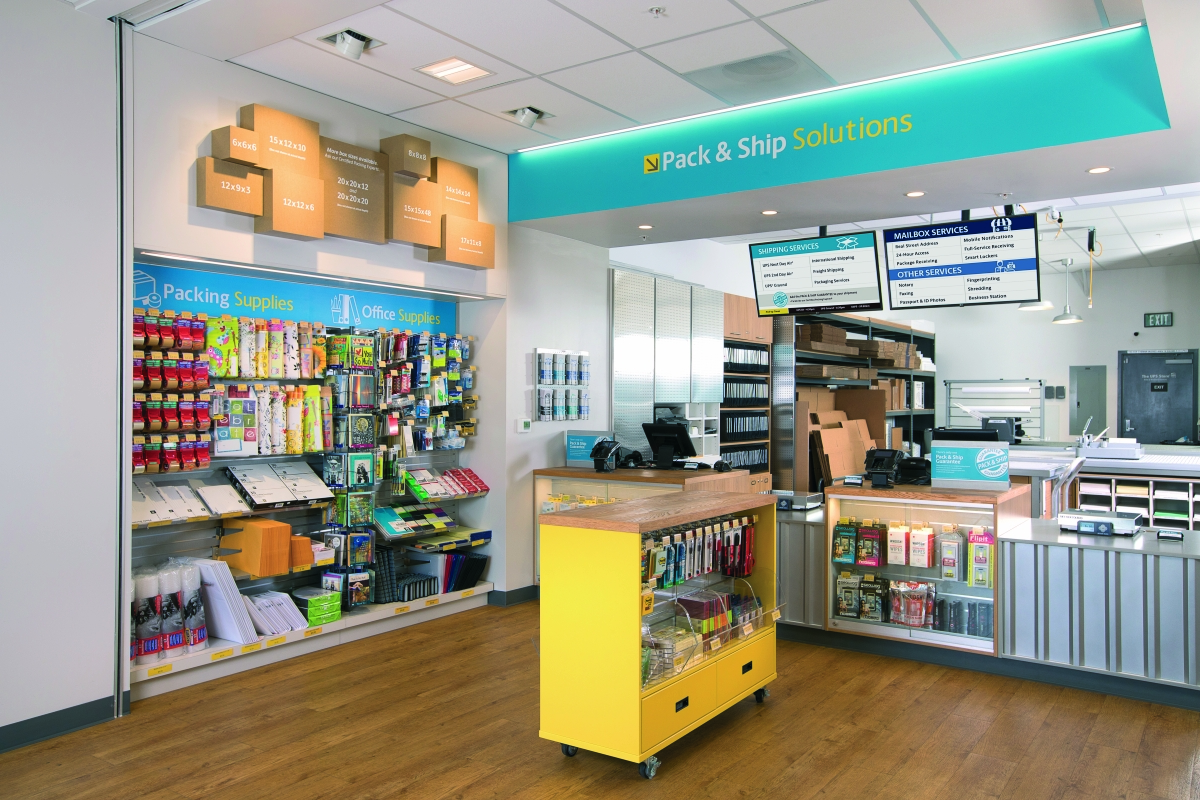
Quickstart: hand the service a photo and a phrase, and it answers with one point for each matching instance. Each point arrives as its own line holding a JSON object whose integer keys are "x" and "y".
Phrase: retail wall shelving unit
{"x": 792, "y": 358}
{"x": 186, "y": 503}
{"x": 745, "y": 414}
{"x": 1166, "y": 501}
{"x": 706, "y": 641}
{"x": 924, "y": 593}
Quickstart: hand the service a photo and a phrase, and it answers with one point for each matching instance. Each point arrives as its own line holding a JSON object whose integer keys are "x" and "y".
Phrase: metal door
{"x": 1156, "y": 395}
{"x": 1089, "y": 398}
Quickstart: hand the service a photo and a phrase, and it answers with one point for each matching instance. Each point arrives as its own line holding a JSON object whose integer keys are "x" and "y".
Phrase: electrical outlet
{"x": 524, "y": 425}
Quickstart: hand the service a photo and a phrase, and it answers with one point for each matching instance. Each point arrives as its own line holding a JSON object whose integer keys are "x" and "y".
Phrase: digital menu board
{"x": 823, "y": 274}
{"x": 978, "y": 262}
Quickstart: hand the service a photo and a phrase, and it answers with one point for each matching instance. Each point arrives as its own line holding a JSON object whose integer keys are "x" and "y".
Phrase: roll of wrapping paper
{"x": 314, "y": 440}
{"x": 291, "y": 350}
{"x": 260, "y": 348}
{"x": 306, "y": 356}
{"x": 195, "y": 625}
{"x": 318, "y": 352}
{"x": 327, "y": 417}
{"x": 263, "y": 395}
{"x": 147, "y": 626}
{"x": 295, "y": 420}
{"x": 170, "y": 611}
{"x": 275, "y": 349}
{"x": 221, "y": 342}
{"x": 278, "y": 421}
{"x": 246, "y": 347}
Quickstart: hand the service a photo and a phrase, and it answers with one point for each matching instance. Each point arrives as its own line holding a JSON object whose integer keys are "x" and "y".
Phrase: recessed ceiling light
{"x": 914, "y": 194}
{"x": 769, "y": 213}
{"x": 455, "y": 71}
{"x": 1099, "y": 170}
{"x": 645, "y": 227}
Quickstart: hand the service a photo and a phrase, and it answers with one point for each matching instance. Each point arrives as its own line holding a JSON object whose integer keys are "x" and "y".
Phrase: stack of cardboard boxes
{"x": 844, "y": 425}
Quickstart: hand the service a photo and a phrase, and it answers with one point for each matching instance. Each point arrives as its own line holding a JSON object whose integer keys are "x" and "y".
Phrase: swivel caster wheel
{"x": 569, "y": 750}
{"x": 649, "y": 768}
{"x": 761, "y": 695}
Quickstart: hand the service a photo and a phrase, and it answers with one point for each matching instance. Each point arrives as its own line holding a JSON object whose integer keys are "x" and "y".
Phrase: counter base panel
{"x": 1131, "y": 687}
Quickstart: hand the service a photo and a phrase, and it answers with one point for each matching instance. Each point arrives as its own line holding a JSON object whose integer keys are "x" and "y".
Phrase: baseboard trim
{"x": 522, "y": 595}
{"x": 1132, "y": 688}
{"x": 56, "y": 723}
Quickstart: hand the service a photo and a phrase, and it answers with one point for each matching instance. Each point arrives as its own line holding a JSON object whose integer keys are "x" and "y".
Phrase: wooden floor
{"x": 449, "y": 709}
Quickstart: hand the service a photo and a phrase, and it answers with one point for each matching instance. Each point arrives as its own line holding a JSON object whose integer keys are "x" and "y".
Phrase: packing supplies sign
{"x": 890, "y": 124}
{"x": 217, "y": 293}
{"x": 967, "y": 465}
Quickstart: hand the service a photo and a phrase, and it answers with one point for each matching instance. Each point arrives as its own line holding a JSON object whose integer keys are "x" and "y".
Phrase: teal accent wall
{"x": 1079, "y": 91}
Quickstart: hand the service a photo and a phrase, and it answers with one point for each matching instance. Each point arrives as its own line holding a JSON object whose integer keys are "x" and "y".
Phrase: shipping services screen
{"x": 980, "y": 262}
{"x": 807, "y": 276}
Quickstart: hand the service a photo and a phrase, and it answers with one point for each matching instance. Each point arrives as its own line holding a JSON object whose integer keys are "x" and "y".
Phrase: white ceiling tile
{"x": 1110, "y": 241}
{"x": 473, "y": 125}
{"x": 1122, "y": 12}
{"x": 760, "y": 7}
{"x": 222, "y": 29}
{"x": 974, "y": 32}
{"x": 1149, "y": 242}
{"x": 536, "y": 35}
{"x": 1191, "y": 203}
{"x": 631, "y": 20}
{"x": 635, "y": 86}
{"x": 1060, "y": 203}
{"x": 854, "y": 40}
{"x": 307, "y": 66}
{"x": 1072, "y": 216}
{"x": 1154, "y": 223}
{"x": 1108, "y": 198}
{"x": 1153, "y": 207}
{"x": 722, "y": 46}
{"x": 572, "y": 116}
{"x": 409, "y": 45}
{"x": 895, "y": 222}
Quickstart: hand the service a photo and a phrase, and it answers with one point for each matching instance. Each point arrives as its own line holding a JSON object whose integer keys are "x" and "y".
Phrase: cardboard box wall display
{"x": 407, "y": 155}
{"x": 466, "y": 243}
{"x": 225, "y": 186}
{"x": 232, "y": 143}
{"x": 414, "y": 212}
{"x": 355, "y": 189}
{"x": 285, "y": 141}
{"x": 460, "y": 187}
{"x": 293, "y": 205}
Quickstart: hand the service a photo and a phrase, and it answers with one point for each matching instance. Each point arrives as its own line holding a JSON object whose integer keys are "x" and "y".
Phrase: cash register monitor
{"x": 668, "y": 441}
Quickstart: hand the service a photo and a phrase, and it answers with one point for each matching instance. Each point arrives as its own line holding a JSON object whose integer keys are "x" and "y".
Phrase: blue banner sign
{"x": 217, "y": 293}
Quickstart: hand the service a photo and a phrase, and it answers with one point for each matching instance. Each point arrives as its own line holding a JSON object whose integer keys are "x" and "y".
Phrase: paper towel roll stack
{"x": 170, "y": 610}
{"x": 194, "y": 624}
{"x": 146, "y": 624}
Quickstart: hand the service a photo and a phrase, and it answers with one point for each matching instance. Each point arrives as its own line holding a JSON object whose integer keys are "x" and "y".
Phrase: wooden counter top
{"x": 651, "y": 513}
{"x": 677, "y": 477}
{"x": 929, "y": 493}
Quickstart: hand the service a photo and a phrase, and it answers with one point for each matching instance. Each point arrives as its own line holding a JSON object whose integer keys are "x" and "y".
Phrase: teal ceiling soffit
{"x": 1090, "y": 88}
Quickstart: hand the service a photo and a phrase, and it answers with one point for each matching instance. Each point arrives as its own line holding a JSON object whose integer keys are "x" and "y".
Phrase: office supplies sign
{"x": 217, "y": 293}
{"x": 978, "y": 262}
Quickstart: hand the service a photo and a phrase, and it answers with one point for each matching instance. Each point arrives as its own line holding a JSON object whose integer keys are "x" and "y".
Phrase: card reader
{"x": 1100, "y": 523}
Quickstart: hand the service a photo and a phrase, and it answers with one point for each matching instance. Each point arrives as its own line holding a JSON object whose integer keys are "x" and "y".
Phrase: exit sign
{"x": 1163, "y": 319}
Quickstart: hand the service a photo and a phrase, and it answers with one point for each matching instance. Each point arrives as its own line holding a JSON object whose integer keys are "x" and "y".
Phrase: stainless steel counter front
{"x": 1123, "y": 606}
{"x": 801, "y": 565}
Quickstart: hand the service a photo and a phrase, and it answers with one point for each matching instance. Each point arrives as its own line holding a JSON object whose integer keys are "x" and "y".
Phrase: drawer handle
{"x": 749, "y": 665}
{"x": 681, "y": 705}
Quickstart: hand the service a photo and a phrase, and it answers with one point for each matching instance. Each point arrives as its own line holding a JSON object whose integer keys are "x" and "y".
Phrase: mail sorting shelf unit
{"x": 1165, "y": 501}
{"x": 594, "y": 695}
{"x": 993, "y": 512}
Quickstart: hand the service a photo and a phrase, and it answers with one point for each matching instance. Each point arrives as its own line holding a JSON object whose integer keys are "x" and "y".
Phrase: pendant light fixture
{"x": 1067, "y": 318}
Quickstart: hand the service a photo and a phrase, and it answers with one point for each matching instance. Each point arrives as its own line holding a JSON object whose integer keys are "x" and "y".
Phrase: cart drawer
{"x": 670, "y": 710}
{"x": 740, "y": 671}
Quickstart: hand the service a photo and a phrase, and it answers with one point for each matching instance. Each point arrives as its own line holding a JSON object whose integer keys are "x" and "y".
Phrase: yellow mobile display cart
{"x": 657, "y": 614}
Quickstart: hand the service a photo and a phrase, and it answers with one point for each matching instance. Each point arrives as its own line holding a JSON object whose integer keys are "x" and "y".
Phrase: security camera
{"x": 351, "y": 43}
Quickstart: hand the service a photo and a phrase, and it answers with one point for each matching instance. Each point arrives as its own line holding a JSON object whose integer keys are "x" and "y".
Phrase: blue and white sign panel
{"x": 969, "y": 465}
{"x": 981, "y": 262}
{"x": 829, "y": 273}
